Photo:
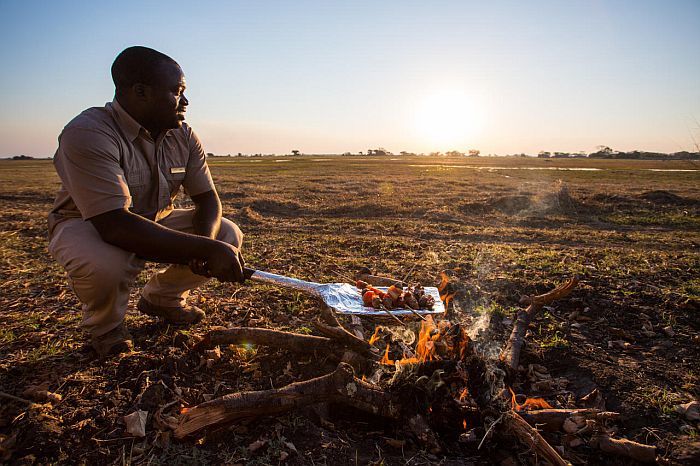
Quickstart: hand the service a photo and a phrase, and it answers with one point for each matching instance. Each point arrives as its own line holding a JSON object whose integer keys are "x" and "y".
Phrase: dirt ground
{"x": 504, "y": 227}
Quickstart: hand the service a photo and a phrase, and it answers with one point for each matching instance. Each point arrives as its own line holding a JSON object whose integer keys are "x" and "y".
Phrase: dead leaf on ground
{"x": 594, "y": 400}
{"x": 690, "y": 410}
{"x": 136, "y": 423}
{"x": 257, "y": 445}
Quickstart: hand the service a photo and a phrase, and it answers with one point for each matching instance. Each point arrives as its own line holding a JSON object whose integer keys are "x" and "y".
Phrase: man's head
{"x": 150, "y": 86}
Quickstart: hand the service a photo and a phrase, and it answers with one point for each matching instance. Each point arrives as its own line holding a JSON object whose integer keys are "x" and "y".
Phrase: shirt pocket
{"x": 175, "y": 176}
{"x": 138, "y": 180}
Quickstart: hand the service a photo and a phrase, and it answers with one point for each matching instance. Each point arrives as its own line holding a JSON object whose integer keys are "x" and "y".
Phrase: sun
{"x": 447, "y": 119}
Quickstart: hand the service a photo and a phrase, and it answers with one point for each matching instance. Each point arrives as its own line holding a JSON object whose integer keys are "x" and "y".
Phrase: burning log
{"x": 294, "y": 342}
{"x": 340, "y": 386}
{"x": 552, "y": 420}
{"x": 511, "y": 353}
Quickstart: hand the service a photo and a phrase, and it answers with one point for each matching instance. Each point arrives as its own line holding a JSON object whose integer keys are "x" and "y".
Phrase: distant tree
{"x": 295, "y": 152}
{"x": 543, "y": 154}
{"x": 22, "y": 157}
{"x": 474, "y": 152}
{"x": 379, "y": 151}
{"x": 454, "y": 153}
{"x": 603, "y": 152}
{"x": 210, "y": 154}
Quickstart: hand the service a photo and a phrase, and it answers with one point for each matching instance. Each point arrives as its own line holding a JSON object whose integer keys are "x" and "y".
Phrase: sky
{"x": 502, "y": 77}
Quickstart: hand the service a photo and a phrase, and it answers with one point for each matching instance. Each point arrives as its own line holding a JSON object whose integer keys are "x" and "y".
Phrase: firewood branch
{"x": 340, "y": 386}
{"x": 339, "y": 334}
{"x": 628, "y": 448}
{"x": 529, "y": 436}
{"x": 552, "y": 420}
{"x": 511, "y": 353}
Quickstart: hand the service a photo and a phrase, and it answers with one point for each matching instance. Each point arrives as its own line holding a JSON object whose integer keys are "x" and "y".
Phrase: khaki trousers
{"x": 101, "y": 274}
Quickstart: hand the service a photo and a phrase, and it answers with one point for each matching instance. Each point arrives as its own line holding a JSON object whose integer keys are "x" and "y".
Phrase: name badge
{"x": 174, "y": 170}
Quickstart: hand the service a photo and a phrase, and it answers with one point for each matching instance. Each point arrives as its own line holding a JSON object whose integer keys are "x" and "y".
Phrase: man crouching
{"x": 121, "y": 166}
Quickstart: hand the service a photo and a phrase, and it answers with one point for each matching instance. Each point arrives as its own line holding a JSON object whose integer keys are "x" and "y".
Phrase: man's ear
{"x": 140, "y": 91}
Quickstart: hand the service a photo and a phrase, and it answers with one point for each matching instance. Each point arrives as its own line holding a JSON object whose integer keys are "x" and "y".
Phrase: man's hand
{"x": 225, "y": 264}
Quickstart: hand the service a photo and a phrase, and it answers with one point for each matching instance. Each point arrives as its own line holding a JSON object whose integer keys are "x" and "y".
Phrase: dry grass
{"x": 631, "y": 234}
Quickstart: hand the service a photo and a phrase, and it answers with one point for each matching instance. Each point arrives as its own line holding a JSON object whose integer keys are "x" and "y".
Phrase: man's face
{"x": 167, "y": 98}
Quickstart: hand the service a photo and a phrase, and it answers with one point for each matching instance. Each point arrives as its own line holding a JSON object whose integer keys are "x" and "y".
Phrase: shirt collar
{"x": 126, "y": 122}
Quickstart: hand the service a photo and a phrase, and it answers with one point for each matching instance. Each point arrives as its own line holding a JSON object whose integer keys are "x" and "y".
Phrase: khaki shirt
{"x": 106, "y": 160}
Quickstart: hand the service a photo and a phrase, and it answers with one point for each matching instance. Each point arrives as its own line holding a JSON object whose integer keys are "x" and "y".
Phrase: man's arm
{"x": 207, "y": 214}
{"x": 157, "y": 243}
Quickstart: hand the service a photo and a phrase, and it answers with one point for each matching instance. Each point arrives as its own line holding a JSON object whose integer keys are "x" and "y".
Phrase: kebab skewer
{"x": 412, "y": 299}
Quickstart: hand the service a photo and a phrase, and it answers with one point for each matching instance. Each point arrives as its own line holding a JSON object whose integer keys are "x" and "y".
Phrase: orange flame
{"x": 364, "y": 378}
{"x": 409, "y": 361}
{"x": 463, "y": 344}
{"x": 444, "y": 280}
{"x": 430, "y": 337}
{"x": 535, "y": 403}
{"x": 463, "y": 396}
{"x": 464, "y": 424}
{"x": 529, "y": 404}
{"x": 385, "y": 359}
{"x": 375, "y": 335}
{"x": 429, "y": 333}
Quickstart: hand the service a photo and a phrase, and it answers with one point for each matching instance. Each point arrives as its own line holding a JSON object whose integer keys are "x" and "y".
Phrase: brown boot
{"x": 173, "y": 315}
{"x": 116, "y": 341}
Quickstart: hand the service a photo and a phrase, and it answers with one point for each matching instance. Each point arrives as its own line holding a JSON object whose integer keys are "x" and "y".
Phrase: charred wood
{"x": 340, "y": 386}
{"x": 528, "y": 436}
{"x": 511, "y": 353}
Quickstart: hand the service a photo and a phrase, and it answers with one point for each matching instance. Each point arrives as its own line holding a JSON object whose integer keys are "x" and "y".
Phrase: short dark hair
{"x": 138, "y": 64}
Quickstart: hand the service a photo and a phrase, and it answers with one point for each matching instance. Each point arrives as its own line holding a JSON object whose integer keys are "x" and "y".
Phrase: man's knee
{"x": 91, "y": 263}
{"x": 230, "y": 233}
{"x": 107, "y": 271}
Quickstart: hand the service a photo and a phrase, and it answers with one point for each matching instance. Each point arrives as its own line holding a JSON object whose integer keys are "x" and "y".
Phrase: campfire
{"x": 428, "y": 376}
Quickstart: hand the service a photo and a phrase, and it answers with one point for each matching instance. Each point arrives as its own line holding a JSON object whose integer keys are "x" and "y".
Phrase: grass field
{"x": 505, "y": 227}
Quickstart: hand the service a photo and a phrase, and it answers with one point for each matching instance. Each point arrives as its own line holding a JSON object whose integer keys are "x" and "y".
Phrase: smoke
{"x": 552, "y": 199}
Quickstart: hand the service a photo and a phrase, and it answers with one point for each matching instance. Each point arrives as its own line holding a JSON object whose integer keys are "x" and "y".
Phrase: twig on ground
{"x": 16, "y": 398}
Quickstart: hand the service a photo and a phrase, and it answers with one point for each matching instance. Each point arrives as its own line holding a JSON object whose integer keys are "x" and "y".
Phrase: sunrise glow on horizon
{"x": 329, "y": 77}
